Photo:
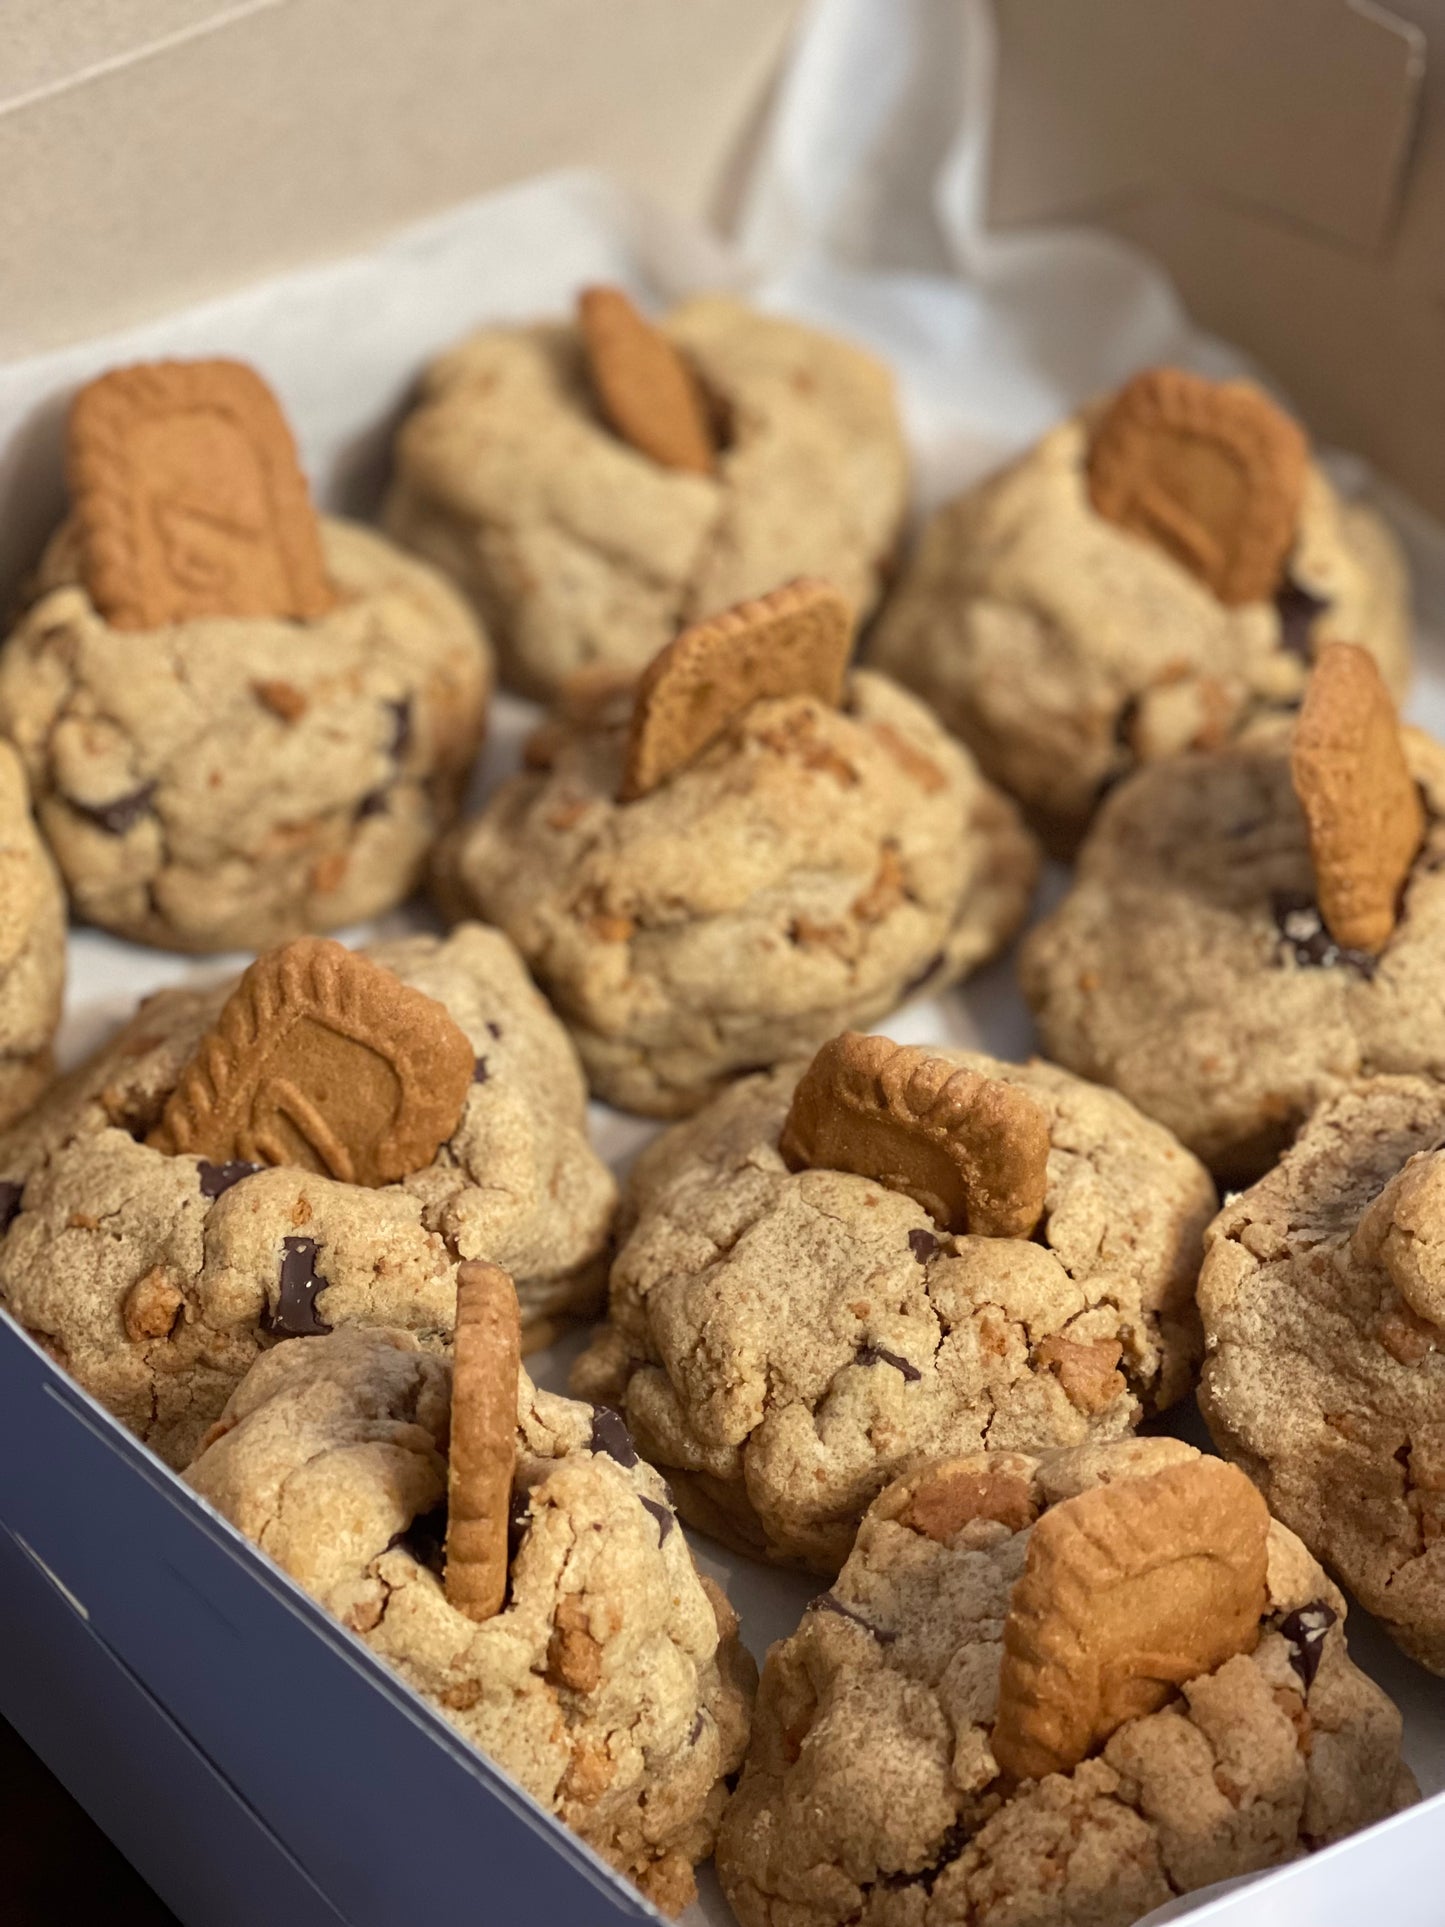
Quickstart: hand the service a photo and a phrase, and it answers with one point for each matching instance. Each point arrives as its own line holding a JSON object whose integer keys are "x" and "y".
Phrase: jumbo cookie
{"x": 239, "y": 722}
{"x": 601, "y": 1672}
{"x": 718, "y": 868}
{"x": 596, "y": 485}
{"x": 1154, "y": 575}
{"x": 890, "y": 1251}
{"x": 207, "y": 1184}
{"x": 32, "y": 947}
{"x": 1252, "y": 927}
{"x": 1055, "y": 1690}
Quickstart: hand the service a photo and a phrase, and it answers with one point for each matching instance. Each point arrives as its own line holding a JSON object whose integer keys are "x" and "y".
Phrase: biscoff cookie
{"x": 1055, "y": 1691}
{"x": 585, "y": 535}
{"x": 1211, "y": 959}
{"x": 154, "y": 1263}
{"x": 32, "y": 946}
{"x": 809, "y": 864}
{"x": 609, "y": 1682}
{"x": 974, "y": 1252}
{"x": 1323, "y": 1299}
{"x": 238, "y": 723}
{"x": 1152, "y": 576}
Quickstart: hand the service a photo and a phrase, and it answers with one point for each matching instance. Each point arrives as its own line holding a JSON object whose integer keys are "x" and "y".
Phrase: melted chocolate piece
{"x": 876, "y": 1355}
{"x": 699, "y": 1727}
{"x": 519, "y": 1518}
{"x": 400, "y": 728}
{"x": 666, "y": 1524}
{"x": 915, "y": 984}
{"x": 495, "y": 1029}
{"x": 827, "y": 1603}
{"x": 1297, "y": 608}
{"x": 922, "y": 1244}
{"x": 426, "y": 1539}
{"x": 1305, "y": 1630}
{"x": 480, "y": 1073}
{"x": 1302, "y": 930}
{"x": 10, "y": 1196}
{"x": 295, "y": 1314}
{"x": 372, "y": 804}
{"x": 949, "y": 1848}
{"x": 116, "y": 817}
{"x": 610, "y": 1435}
{"x": 216, "y": 1178}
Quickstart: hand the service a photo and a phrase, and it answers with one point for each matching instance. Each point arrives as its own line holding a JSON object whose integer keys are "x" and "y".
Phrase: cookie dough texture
{"x": 810, "y": 871}
{"x": 156, "y": 1280}
{"x": 1170, "y": 971}
{"x": 226, "y": 783}
{"x": 611, "y": 1685}
{"x": 32, "y": 946}
{"x": 871, "y": 1795}
{"x": 1064, "y": 650}
{"x": 1322, "y": 1305}
{"x": 783, "y": 1343}
{"x": 578, "y": 549}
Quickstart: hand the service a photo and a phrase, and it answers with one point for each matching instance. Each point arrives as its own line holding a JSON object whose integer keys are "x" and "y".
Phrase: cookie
{"x": 1360, "y": 802}
{"x": 482, "y": 1452}
{"x": 1210, "y": 471}
{"x": 1322, "y": 1301}
{"x": 32, "y": 948}
{"x": 793, "y": 642}
{"x": 1066, "y": 651}
{"x": 814, "y": 866}
{"x": 1192, "y": 965}
{"x": 323, "y": 1060}
{"x": 226, "y": 782}
{"x": 157, "y": 1277}
{"x": 644, "y": 386}
{"x": 578, "y": 547}
{"x": 782, "y": 1342}
{"x": 973, "y": 1151}
{"x": 609, "y": 1683}
{"x": 875, "y": 1790}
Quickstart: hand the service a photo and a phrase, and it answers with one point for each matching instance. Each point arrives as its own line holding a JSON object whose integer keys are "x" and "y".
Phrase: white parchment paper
{"x": 863, "y": 215}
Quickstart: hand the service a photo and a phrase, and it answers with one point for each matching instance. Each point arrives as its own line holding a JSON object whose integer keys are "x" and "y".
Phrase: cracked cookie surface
{"x": 612, "y": 1685}
{"x": 1189, "y": 967}
{"x": 32, "y": 946}
{"x": 871, "y": 1795}
{"x": 782, "y": 1343}
{"x": 226, "y": 783}
{"x": 578, "y": 549}
{"x": 1323, "y": 1376}
{"x": 156, "y": 1280}
{"x": 811, "y": 870}
{"x": 1065, "y": 651}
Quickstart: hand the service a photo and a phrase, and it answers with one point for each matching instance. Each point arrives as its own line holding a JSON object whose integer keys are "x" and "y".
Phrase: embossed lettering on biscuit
{"x": 1211, "y": 472}
{"x": 1130, "y": 1590}
{"x": 487, "y": 1357}
{"x": 793, "y": 642}
{"x": 324, "y": 1060}
{"x": 972, "y": 1150}
{"x": 189, "y": 498}
{"x": 643, "y": 385}
{"x": 1362, "y": 807}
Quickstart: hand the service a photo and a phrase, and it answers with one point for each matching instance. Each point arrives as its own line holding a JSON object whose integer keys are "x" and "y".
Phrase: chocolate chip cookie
{"x": 958, "y": 1732}
{"x": 223, "y": 782}
{"x": 579, "y": 548}
{"x": 32, "y": 946}
{"x": 611, "y": 1685}
{"x": 785, "y": 1335}
{"x": 1067, "y": 645}
{"x": 156, "y": 1276}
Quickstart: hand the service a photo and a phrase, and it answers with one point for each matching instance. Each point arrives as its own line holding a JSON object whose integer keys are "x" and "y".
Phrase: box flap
{"x": 1304, "y": 108}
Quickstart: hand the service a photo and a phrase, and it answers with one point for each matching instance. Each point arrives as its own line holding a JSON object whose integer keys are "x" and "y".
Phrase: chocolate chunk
{"x": 216, "y": 1178}
{"x": 949, "y": 1848}
{"x": 10, "y": 1196}
{"x": 699, "y": 1727}
{"x": 400, "y": 728}
{"x": 495, "y": 1029}
{"x": 295, "y": 1313}
{"x": 922, "y": 1244}
{"x": 372, "y": 804}
{"x": 426, "y": 1539}
{"x": 480, "y": 1074}
{"x": 1303, "y": 933}
{"x": 1297, "y": 608}
{"x": 610, "y": 1435}
{"x": 1304, "y": 1630}
{"x": 876, "y": 1355}
{"x": 915, "y": 984}
{"x": 665, "y": 1521}
{"x": 116, "y": 817}
{"x": 827, "y": 1603}
{"x": 519, "y": 1518}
